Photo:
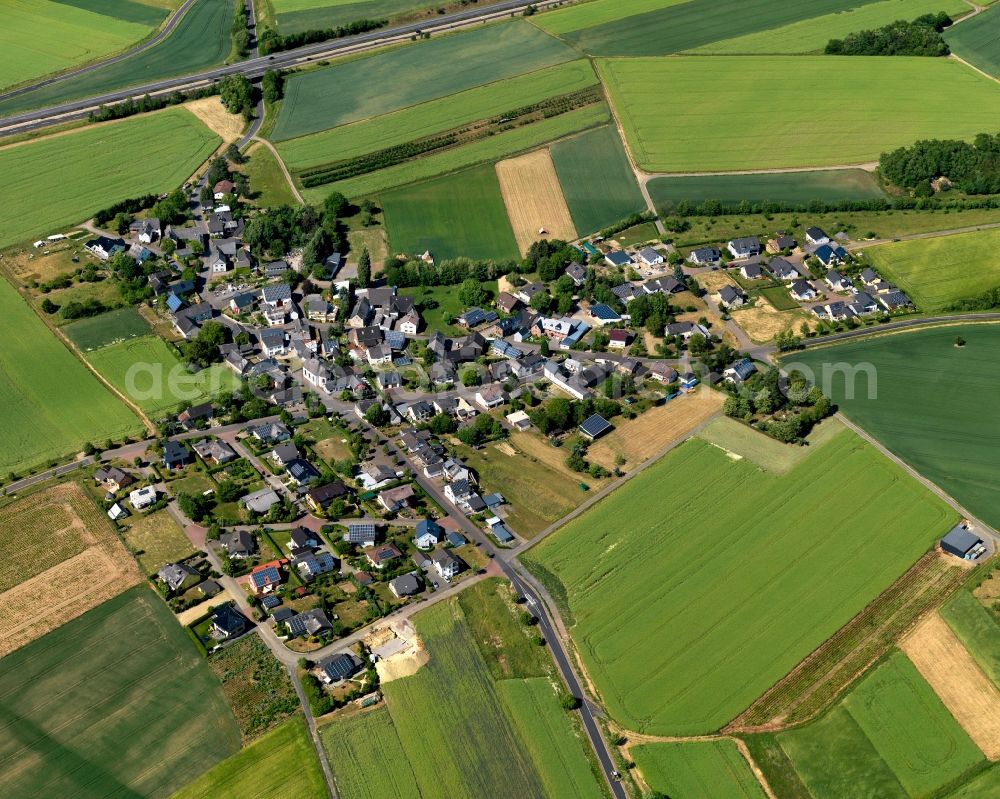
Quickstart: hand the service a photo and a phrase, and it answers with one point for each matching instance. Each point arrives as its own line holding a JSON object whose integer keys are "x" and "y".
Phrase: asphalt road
{"x": 902, "y": 324}
{"x": 255, "y": 67}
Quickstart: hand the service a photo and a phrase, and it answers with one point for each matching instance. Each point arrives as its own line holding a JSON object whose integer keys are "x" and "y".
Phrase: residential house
{"x": 519, "y": 420}
{"x": 869, "y": 276}
{"x": 527, "y": 292}
{"x": 214, "y": 451}
{"x": 832, "y": 256}
{"x": 271, "y": 433}
{"x": 113, "y": 478}
{"x": 752, "y": 271}
{"x": 312, "y": 566}
{"x": 744, "y": 247}
{"x": 361, "y": 533}
{"x": 577, "y": 272}
{"x": 189, "y": 417}
{"x": 285, "y": 453}
{"x": 651, "y": 257}
{"x": 266, "y": 578}
{"x": 740, "y": 371}
{"x": 446, "y": 564}
{"x": 687, "y": 329}
{"x": 301, "y": 472}
{"x": 222, "y": 188}
{"x": 321, "y": 497}
{"x": 458, "y": 492}
{"x": 491, "y": 396}
{"x": 784, "y": 270}
{"x": 178, "y": 576}
{"x": 242, "y": 303}
{"x": 104, "y": 247}
{"x": 507, "y": 303}
{"x": 146, "y": 230}
{"x": 781, "y": 243}
{"x": 662, "y": 372}
{"x": 319, "y": 309}
{"x": 175, "y": 455}
{"x": 227, "y": 622}
{"x": 815, "y": 236}
{"x": 838, "y": 282}
{"x": 803, "y": 291}
{"x": 894, "y": 300}
{"x": 273, "y": 342}
{"x": 731, "y": 297}
{"x": 663, "y": 285}
{"x": 261, "y": 501}
{"x": 339, "y": 668}
{"x": 428, "y": 534}
{"x": 394, "y": 499}
{"x": 238, "y": 544}
{"x": 618, "y": 339}
{"x": 405, "y": 585}
{"x": 304, "y": 538}
{"x": 309, "y": 622}
{"x": 378, "y": 556}
{"x": 705, "y": 256}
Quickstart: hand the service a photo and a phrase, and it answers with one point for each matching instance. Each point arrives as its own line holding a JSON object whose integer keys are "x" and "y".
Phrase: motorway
{"x": 256, "y": 67}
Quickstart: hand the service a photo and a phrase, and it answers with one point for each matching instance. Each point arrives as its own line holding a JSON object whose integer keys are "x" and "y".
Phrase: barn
{"x": 962, "y": 542}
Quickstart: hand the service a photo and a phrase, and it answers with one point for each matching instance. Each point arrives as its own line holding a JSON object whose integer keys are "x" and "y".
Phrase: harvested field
{"x": 155, "y": 539}
{"x": 959, "y": 682}
{"x": 638, "y": 440}
{"x": 534, "y": 199}
{"x": 215, "y": 117}
{"x": 763, "y": 322}
{"x": 61, "y": 558}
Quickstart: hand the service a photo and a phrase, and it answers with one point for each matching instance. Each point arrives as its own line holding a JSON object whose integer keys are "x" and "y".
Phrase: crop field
{"x": 598, "y": 12}
{"x": 977, "y": 630}
{"x": 61, "y": 557}
{"x": 293, "y": 16}
{"x": 742, "y": 441}
{"x": 85, "y": 705}
{"x": 486, "y": 150}
{"x": 108, "y": 328}
{"x": 702, "y": 639}
{"x": 433, "y": 116}
{"x": 597, "y": 179}
{"x": 35, "y": 368}
{"x": 949, "y": 435}
{"x": 986, "y": 784}
{"x": 147, "y": 372}
{"x": 937, "y": 272}
{"x": 282, "y": 763}
{"x": 460, "y": 214}
{"x": 811, "y": 35}
{"x": 155, "y": 539}
{"x": 355, "y": 744}
{"x": 410, "y": 75}
{"x": 792, "y": 188}
{"x": 891, "y": 734}
{"x": 668, "y": 27}
{"x": 886, "y": 97}
{"x": 976, "y": 41}
{"x": 41, "y": 36}
{"x": 94, "y": 167}
{"x": 534, "y": 199}
{"x": 200, "y": 40}
{"x": 697, "y": 770}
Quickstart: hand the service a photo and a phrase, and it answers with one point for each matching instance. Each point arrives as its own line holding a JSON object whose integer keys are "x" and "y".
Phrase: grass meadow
{"x": 891, "y": 733}
{"x": 294, "y": 16}
{"x": 697, "y": 770}
{"x": 939, "y": 271}
{"x": 976, "y": 41}
{"x": 433, "y": 116}
{"x": 415, "y": 74}
{"x": 57, "y": 403}
{"x": 459, "y": 214}
{"x": 151, "y": 387}
{"x": 711, "y": 593}
{"x": 94, "y": 167}
{"x": 107, "y": 328}
{"x": 87, "y": 704}
{"x": 660, "y": 102}
{"x": 931, "y": 404}
{"x": 267, "y": 182}
{"x": 200, "y": 40}
{"x": 597, "y": 179}
{"x": 978, "y": 631}
{"x": 281, "y": 763}
{"x": 794, "y": 188}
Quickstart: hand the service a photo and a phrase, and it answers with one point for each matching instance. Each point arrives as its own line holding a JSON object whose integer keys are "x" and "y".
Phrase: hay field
{"x": 534, "y": 199}
{"x": 956, "y": 678}
{"x": 60, "y": 558}
{"x": 763, "y": 321}
{"x": 214, "y": 116}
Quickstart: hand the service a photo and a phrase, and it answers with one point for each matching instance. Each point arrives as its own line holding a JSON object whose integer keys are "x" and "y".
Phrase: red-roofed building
{"x": 267, "y": 577}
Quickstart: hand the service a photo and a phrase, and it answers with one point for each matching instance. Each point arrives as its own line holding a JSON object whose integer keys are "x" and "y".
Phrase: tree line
{"x": 270, "y": 41}
{"x": 921, "y": 37}
{"x": 974, "y": 167}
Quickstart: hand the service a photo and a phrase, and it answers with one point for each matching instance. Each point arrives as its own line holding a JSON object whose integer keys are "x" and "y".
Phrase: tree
{"x": 229, "y": 491}
{"x": 335, "y": 205}
{"x": 377, "y": 415}
{"x": 441, "y": 424}
{"x": 121, "y": 223}
{"x": 541, "y": 301}
{"x": 233, "y": 154}
{"x": 48, "y": 306}
{"x": 204, "y": 348}
{"x": 273, "y": 85}
{"x": 472, "y": 293}
{"x": 364, "y": 269}
{"x": 195, "y": 507}
{"x": 236, "y": 93}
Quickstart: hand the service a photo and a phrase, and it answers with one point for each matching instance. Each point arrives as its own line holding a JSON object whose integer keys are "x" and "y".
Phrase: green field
{"x": 447, "y": 307}
{"x": 977, "y": 629}
{"x": 707, "y": 595}
{"x": 85, "y": 706}
{"x": 489, "y": 149}
{"x": 460, "y": 214}
{"x": 779, "y": 297}
{"x": 425, "y": 119}
{"x": 200, "y": 40}
{"x": 293, "y": 16}
{"x": 891, "y": 734}
{"x": 790, "y": 188}
{"x": 811, "y": 35}
{"x": 937, "y": 272}
{"x": 282, "y": 763}
{"x": 598, "y": 12}
{"x": 662, "y": 101}
{"x": 985, "y": 786}
{"x": 94, "y": 167}
{"x": 367, "y": 757}
{"x": 57, "y": 403}
{"x": 415, "y": 74}
{"x": 159, "y": 381}
{"x": 268, "y": 185}
{"x": 932, "y": 405}
{"x": 701, "y": 770}
{"x": 108, "y": 328}
{"x": 39, "y": 37}
{"x": 976, "y": 41}
{"x": 596, "y": 179}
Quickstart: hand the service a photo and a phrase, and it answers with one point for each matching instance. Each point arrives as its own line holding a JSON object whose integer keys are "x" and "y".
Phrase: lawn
{"x": 711, "y": 593}
{"x": 789, "y": 188}
{"x": 155, "y": 539}
{"x": 433, "y": 116}
{"x": 700, "y": 770}
{"x": 931, "y": 404}
{"x": 938, "y": 272}
{"x": 661, "y": 101}
{"x": 779, "y": 297}
{"x": 811, "y": 35}
{"x": 415, "y": 74}
{"x": 446, "y": 307}
{"x": 107, "y": 328}
{"x": 40, "y": 37}
{"x": 200, "y": 40}
{"x": 148, "y": 372}
{"x": 89, "y": 702}
{"x": 267, "y": 182}
{"x": 283, "y": 763}
{"x": 978, "y": 631}
{"x": 976, "y": 41}
{"x": 486, "y": 150}
{"x": 597, "y": 179}
{"x": 58, "y": 403}
{"x": 891, "y": 732}
{"x": 94, "y": 167}
{"x": 456, "y": 215}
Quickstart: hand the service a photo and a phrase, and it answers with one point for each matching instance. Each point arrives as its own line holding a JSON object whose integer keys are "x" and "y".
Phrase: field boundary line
{"x": 867, "y": 166}
{"x": 284, "y": 169}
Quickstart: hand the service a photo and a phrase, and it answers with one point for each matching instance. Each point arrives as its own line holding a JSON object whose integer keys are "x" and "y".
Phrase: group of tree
{"x": 237, "y": 94}
{"x": 241, "y": 31}
{"x": 480, "y": 430}
{"x": 131, "y": 107}
{"x": 272, "y": 85}
{"x": 270, "y": 41}
{"x": 203, "y": 349}
{"x": 922, "y": 37}
{"x": 785, "y": 409}
{"x": 319, "y": 231}
{"x": 561, "y": 415}
{"x": 973, "y": 167}
{"x": 449, "y": 272}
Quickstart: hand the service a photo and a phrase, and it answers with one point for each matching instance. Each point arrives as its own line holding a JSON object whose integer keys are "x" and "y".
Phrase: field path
{"x": 868, "y": 166}
{"x": 284, "y": 169}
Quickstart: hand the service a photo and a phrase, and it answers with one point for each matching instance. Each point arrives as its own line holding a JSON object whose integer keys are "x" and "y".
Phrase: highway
{"x": 255, "y": 67}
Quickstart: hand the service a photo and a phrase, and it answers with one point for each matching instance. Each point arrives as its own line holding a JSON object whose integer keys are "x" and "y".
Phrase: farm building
{"x": 961, "y": 542}
{"x": 595, "y": 426}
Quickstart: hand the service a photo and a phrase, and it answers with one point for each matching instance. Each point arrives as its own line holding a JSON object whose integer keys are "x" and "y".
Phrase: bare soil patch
{"x": 763, "y": 322}
{"x": 957, "y": 679}
{"x": 216, "y": 118}
{"x": 405, "y": 664}
{"x": 534, "y": 199}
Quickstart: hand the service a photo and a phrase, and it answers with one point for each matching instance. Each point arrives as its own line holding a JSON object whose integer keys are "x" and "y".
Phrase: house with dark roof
{"x": 175, "y": 455}
{"x": 428, "y": 534}
{"x": 744, "y": 247}
{"x": 364, "y": 534}
{"x": 178, "y": 576}
{"x": 594, "y": 426}
{"x": 740, "y": 371}
{"x": 321, "y": 497}
{"x": 405, "y": 585}
{"x": 832, "y": 256}
{"x": 751, "y": 271}
{"x": 618, "y": 258}
{"x": 961, "y": 542}
{"x": 731, "y": 297}
{"x": 339, "y": 668}
{"x": 378, "y": 556}
{"x": 227, "y": 622}
{"x": 705, "y": 256}
{"x": 577, "y": 272}
{"x": 446, "y": 564}
{"x": 816, "y": 236}
{"x": 310, "y": 622}
{"x": 312, "y": 566}
{"x": 238, "y": 544}
{"x": 803, "y": 291}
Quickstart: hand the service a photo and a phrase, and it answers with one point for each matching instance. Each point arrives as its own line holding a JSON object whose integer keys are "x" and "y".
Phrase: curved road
{"x": 903, "y": 324}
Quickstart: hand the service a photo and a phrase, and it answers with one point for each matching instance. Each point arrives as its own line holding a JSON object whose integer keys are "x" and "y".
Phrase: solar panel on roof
{"x": 270, "y": 602}
{"x": 595, "y": 425}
